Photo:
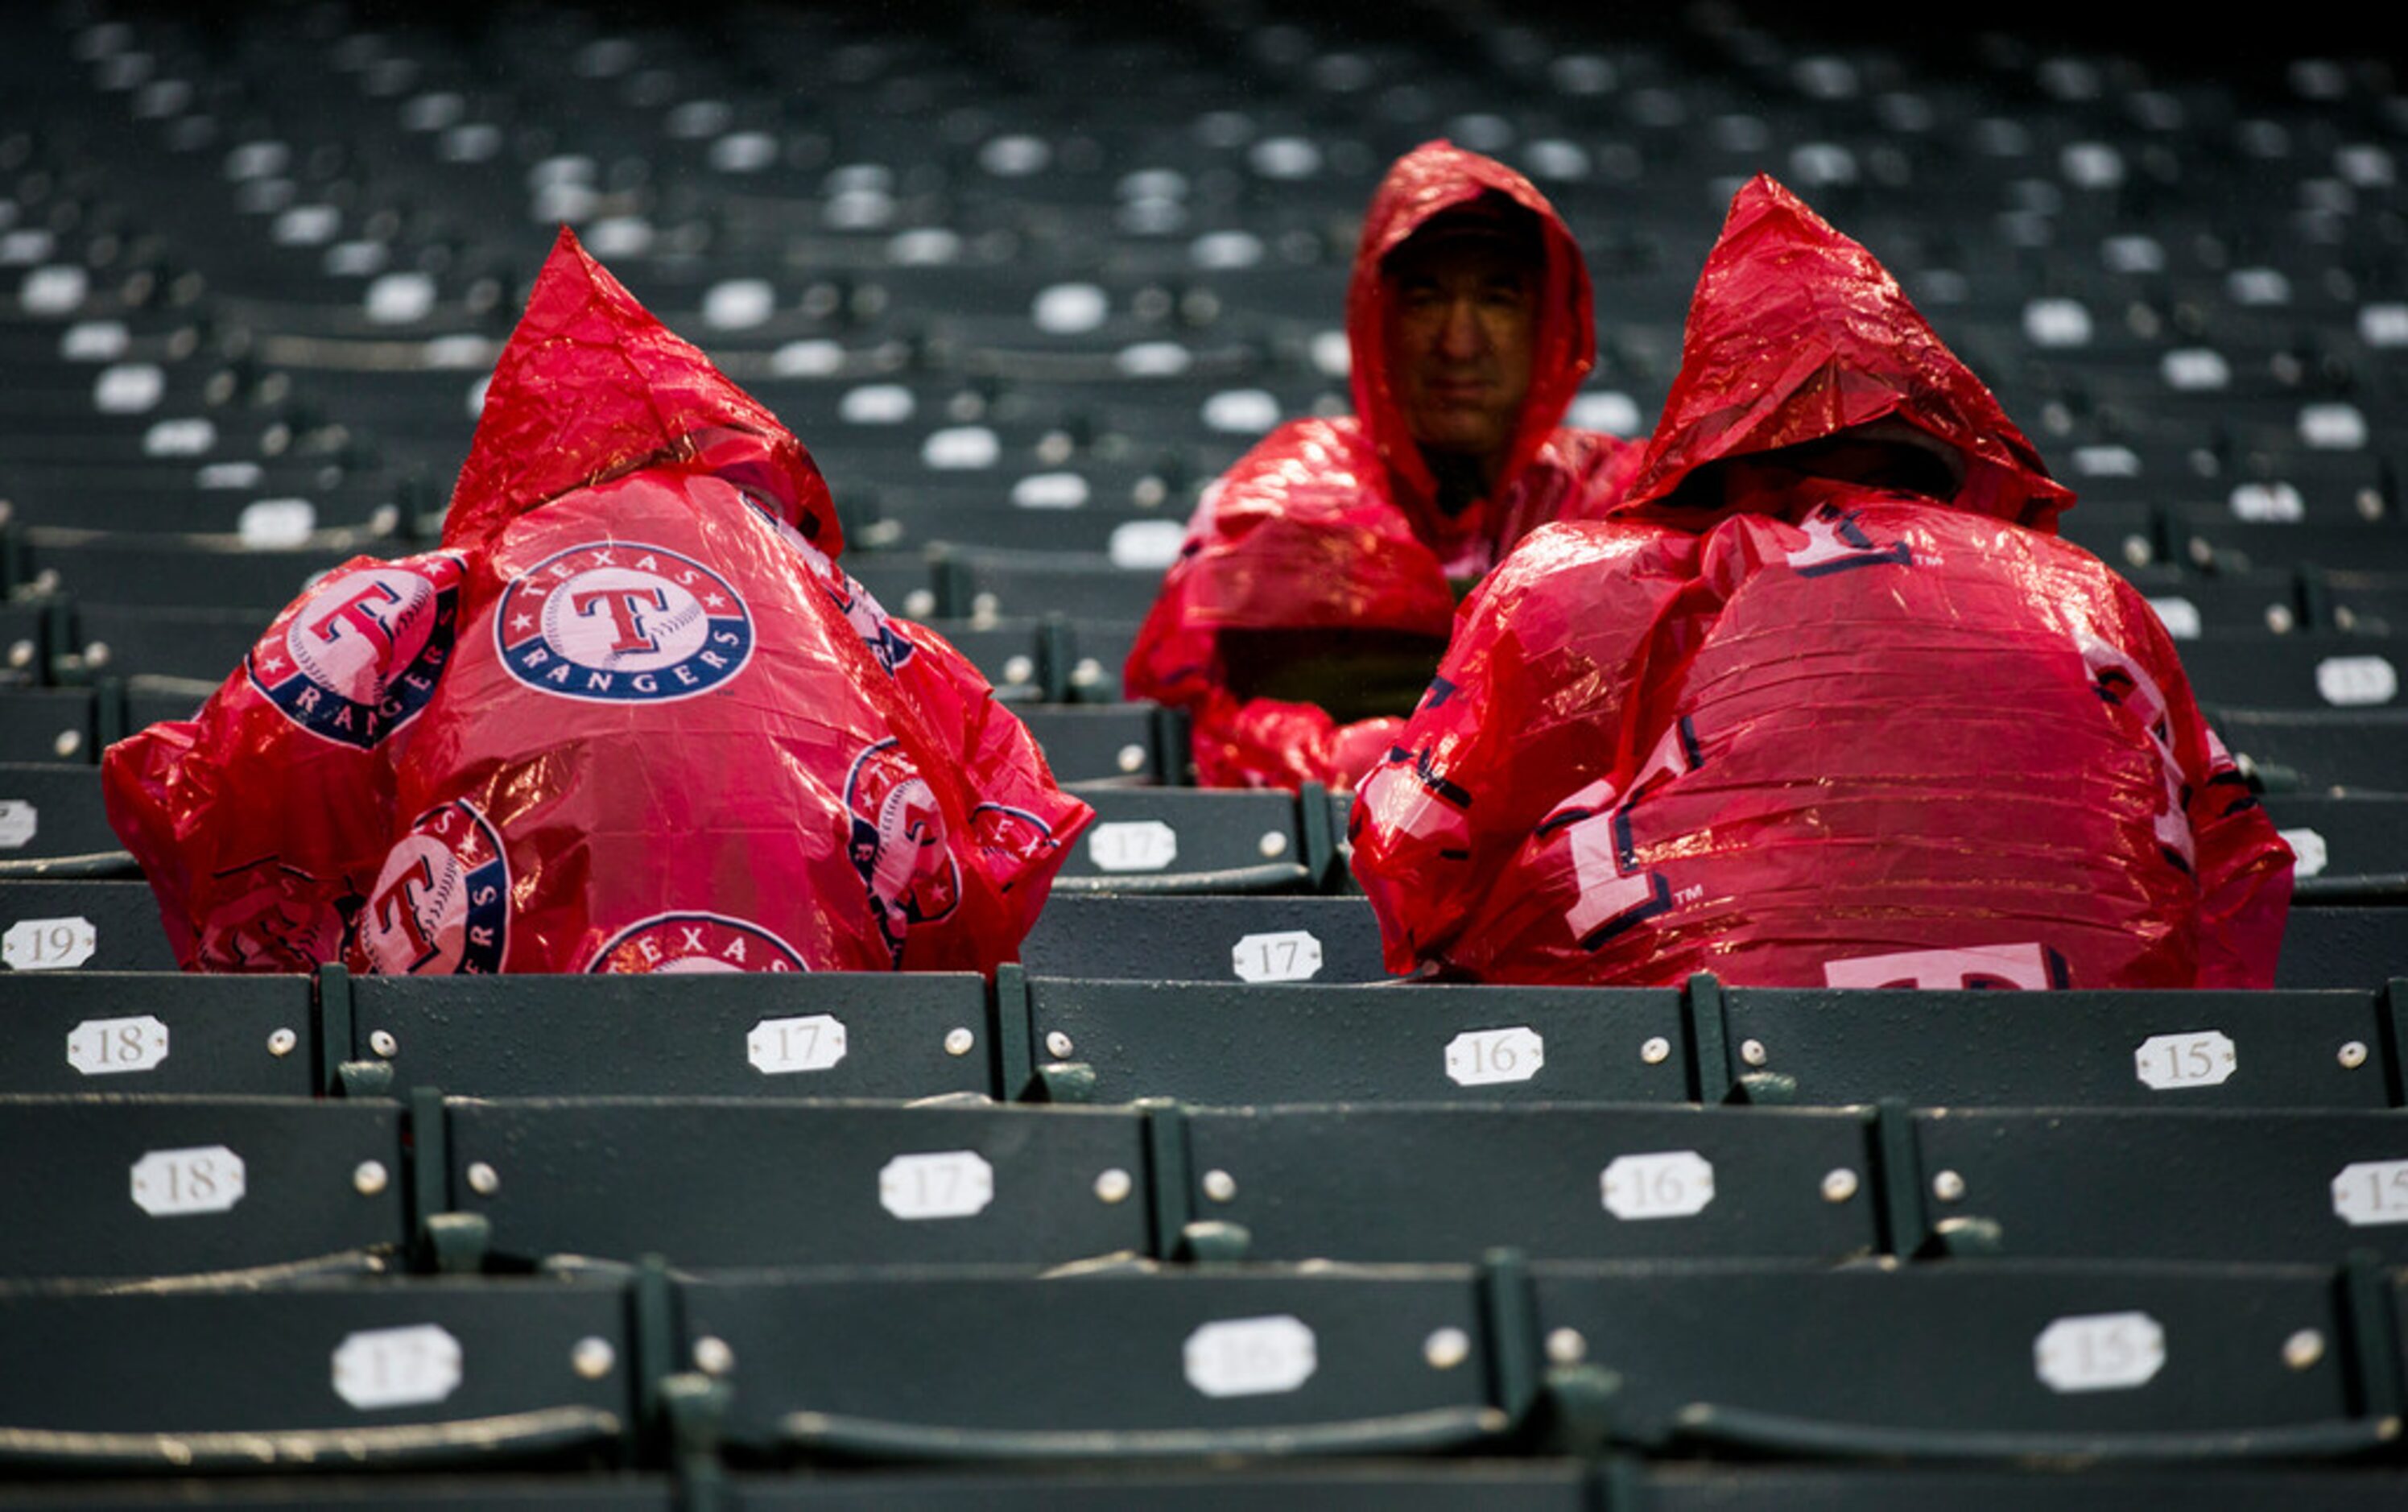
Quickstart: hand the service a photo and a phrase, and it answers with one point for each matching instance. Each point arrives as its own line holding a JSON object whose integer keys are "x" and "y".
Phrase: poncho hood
{"x": 592, "y": 386}
{"x": 1797, "y": 333}
{"x": 1424, "y": 183}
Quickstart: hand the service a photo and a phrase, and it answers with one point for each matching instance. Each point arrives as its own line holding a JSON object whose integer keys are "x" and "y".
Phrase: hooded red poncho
{"x": 1334, "y": 523}
{"x": 1809, "y": 732}
{"x": 632, "y": 717}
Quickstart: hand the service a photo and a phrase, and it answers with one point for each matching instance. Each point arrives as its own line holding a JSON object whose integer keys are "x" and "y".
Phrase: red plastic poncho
{"x": 1818, "y": 733}
{"x": 631, "y": 718}
{"x": 1333, "y": 523}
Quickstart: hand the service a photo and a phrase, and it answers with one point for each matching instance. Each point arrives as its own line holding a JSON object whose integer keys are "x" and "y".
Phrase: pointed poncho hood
{"x": 592, "y": 386}
{"x": 1797, "y": 333}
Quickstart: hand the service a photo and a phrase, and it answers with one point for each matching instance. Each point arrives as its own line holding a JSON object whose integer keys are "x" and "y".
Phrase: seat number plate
{"x": 2169, "y": 1062}
{"x": 1133, "y": 845}
{"x": 2099, "y": 1352}
{"x": 1290, "y": 956}
{"x": 1251, "y": 1355}
{"x": 1483, "y": 1058}
{"x": 1668, "y": 1184}
{"x": 2372, "y": 1192}
{"x": 782, "y": 1046}
{"x": 108, "y": 1046}
{"x": 171, "y": 1184}
{"x": 397, "y": 1367}
{"x": 949, "y": 1184}
{"x": 48, "y": 944}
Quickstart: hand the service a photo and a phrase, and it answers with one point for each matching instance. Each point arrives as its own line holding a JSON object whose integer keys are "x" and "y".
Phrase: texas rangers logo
{"x": 619, "y": 623}
{"x": 1836, "y": 541}
{"x": 868, "y": 620}
{"x": 358, "y": 658}
{"x": 280, "y": 919}
{"x": 442, "y": 904}
{"x": 1015, "y": 836}
{"x": 695, "y": 943}
{"x": 899, "y": 843}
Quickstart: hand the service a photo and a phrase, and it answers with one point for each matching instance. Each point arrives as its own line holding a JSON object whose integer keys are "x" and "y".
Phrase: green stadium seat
{"x": 137, "y": 1031}
{"x": 1220, "y": 1043}
{"x": 818, "y": 1034}
{"x": 1172, "y": 840}
{"x": 1722, "y": 1486}
{"x": 1121, "y": 744}
{"x": 46, "y": 724}
{"x": 1599, "y": 1181}
{"x": 139, "y": 1185}
{"x": 417, "y": 1375}
{"x": 2000, "y": 1360}
{"x": 1253, "y": 939}
{"x": 2342, "y": 946}
{"x": 2088, "y": 1049}
{"x": 736, "y": 1182}
{"x": 51, "y": 809}
{"x": 1344, "y": 1485}
{"x": 2243, "y": 1185}
{"x": 2309, "y": 750}
{"x": 2351, "y": 848}
{"x": 907, "y": 1364}
{"x": 70, "y": 924}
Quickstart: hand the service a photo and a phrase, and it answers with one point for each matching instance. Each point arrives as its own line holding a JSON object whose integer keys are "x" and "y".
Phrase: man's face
{"x": 1462, "y": 317}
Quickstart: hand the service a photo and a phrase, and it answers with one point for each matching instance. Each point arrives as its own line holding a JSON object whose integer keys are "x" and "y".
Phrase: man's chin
{"x": 1465, "y": 443}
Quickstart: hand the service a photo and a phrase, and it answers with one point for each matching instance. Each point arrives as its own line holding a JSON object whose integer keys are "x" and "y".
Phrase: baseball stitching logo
{"x": 442, "y": 904}
{"x": 359, "y": 658}
{"x": 899, "y": 842}
{"x": 612, "y": 622}
{"x": 695, "y": 943}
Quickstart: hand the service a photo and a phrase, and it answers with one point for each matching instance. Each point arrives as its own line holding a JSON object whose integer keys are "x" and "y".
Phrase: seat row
{"x": 134, "y": 1186}
{"x": 54, "y": 920}
{"x": 1036, "y": 1038}
{"x": 1230, "y": 1367}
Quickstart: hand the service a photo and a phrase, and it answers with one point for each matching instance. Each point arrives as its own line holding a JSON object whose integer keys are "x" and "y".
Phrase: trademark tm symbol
{"x": 1688, "y": 895}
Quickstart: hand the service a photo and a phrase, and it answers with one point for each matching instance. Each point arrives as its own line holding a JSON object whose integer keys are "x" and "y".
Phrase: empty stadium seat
{"x": 821, "y": 1034}
{"x": 2239, "y": 1184}
{"x": 950, "y": 1364}
{"x": 1219, "y": 1044}
{"x": 2340, "y": 947}
{"x": 1427, "y": 1183}
{"x": 48, "y": 724}
{"x": 1678, "y": 1486}
{"x": 1193, "y": 840}
{"x": 2311, "y": 750}
{"x": 65, "y": 925}
{"x": 726, "y": 1182}
{"x": 153, "y": 1184}
{"x": 1120, "y": 744}
{"x": 1270, "y": 938}
{"x": 2347, "y": 848}
{"x": 416, "y": 1375}
{"x": 51, "y": 809}
{"x": 2068, "y": 1049}
{"x": 1341, "y": 1485}
{"x": 2000, "y": 1362}
{"x": 103, "y": 1032}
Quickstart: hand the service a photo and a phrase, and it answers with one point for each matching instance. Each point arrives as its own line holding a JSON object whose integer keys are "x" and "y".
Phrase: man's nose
{"x": 1461, "y": 334}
